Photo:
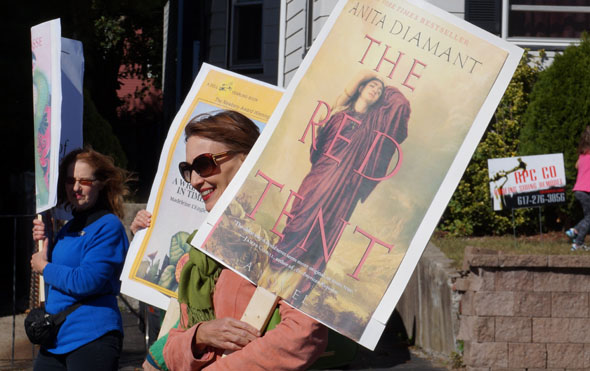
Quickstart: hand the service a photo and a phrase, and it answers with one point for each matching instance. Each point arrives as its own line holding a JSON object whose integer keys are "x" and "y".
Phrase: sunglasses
{"x": 83, "y": 181}
{"x": 205, "y": 165}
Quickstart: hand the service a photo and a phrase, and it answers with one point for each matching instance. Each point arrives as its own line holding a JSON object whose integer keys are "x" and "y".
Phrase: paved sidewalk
{"x": 24, "y": 353}
{"x": 22, "y": 348}
{"x": 389, "y": 354}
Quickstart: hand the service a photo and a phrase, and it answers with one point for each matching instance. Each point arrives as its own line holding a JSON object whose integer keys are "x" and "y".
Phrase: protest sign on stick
{"x": 58, "y": 71}
{"x": 339, "y": 197}
{"x": 46, "y": 58}
{"x": 46, "y": 54}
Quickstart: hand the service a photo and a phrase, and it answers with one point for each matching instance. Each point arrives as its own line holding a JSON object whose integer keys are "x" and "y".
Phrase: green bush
{"x": 470, "y": 210}
{"x": 558, "y": 112}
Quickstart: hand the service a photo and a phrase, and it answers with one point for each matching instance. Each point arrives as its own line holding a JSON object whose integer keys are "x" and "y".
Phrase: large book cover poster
{"x": 155, "y": 256}
{"x": 46, "y": 58}
{"x": 359, "y": 160}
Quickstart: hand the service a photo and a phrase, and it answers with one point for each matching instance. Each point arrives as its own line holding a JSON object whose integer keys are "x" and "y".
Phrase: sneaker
{"x": 571, "y": 233}
{"x": 576, "y": 247}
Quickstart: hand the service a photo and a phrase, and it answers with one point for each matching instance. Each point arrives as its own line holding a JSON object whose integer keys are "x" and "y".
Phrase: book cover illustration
{"x": 363, "y": 153}
{"x": 156, "y": 255}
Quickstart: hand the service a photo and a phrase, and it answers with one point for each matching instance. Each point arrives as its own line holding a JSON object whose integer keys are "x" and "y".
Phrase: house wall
{"x": 294, "y": 44}
{"x": 219, "y": 48}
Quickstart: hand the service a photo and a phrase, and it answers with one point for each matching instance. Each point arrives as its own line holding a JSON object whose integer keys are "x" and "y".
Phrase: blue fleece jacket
{"x": 85, "y": 263}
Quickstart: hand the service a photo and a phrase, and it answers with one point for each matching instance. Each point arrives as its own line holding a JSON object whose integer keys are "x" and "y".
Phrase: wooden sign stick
{"x": 259, "y": 310}
{"x": 41, "y": 281}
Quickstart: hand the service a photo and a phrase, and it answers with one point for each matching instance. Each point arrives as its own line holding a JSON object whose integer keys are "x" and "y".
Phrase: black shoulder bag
{"x": 42, "y": 327}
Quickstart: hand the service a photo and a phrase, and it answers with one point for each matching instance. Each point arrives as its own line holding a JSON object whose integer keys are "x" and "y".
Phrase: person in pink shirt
{"x": 212, "y": 298}
{"x": 582, "y": 193}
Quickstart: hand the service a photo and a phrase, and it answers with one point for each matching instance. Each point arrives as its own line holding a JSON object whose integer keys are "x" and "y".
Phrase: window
{"x": 550, "y": 18}
{"x": 549, "y": 24}
{"x": 246, "y": 34}
{"x": 485, "y": 14}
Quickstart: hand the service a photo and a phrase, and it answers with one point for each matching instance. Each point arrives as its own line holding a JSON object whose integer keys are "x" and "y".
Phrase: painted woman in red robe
{"x": 352, "y": 154}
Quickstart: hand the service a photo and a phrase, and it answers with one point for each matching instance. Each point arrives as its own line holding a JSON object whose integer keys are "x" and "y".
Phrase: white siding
{"x": 455, "y": 7}
{"x": 295, "y": 34}
{"x": 321, "y": 12}
{"x": 294, "y": 42}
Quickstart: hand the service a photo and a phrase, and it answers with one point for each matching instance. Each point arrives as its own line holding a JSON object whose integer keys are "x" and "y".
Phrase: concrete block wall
{"x": 525, "y": 312}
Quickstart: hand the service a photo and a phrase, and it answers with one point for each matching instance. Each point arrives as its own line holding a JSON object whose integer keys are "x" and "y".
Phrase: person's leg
{"x": 46, "y": 361}
{"x": 584, "y": 225}
{"x": 101, "y": 354}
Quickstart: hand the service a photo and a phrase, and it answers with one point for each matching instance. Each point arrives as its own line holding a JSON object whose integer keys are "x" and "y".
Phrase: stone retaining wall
{"x": 429, "y": 306}
{"x": 525, "y": 312}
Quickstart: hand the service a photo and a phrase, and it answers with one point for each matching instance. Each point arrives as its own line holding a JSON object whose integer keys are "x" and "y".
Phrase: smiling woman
{"x": 211, "y": 172}
{"x": 212, "y": 298}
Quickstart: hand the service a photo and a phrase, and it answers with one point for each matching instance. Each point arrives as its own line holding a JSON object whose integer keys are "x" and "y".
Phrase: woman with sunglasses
{"x": 211, "y": 304}
{"x": 84, "y": 264}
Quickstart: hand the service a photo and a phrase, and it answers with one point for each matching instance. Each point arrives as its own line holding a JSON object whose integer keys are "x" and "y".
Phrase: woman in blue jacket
{"x": 85, "y": 265}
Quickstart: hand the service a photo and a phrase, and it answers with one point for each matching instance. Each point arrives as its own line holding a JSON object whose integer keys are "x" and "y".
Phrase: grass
{"x": 552, "y": 243}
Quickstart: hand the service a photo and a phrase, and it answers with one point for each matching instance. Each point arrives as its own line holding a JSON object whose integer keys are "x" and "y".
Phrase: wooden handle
{"x": 41, "y": 281}
{"x": 259, "y": 310}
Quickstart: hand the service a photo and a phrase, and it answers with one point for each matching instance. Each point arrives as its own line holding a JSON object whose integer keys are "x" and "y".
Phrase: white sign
{"x": 527, "y": 181}
{"x": 46, "y": 54}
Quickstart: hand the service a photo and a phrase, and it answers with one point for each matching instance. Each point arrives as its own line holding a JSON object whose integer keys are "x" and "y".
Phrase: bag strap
{"x": 60, "y": 317}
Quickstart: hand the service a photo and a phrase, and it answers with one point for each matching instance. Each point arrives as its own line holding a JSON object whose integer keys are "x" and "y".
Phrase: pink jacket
{"x": 294, "y": 344}
{"x": 583, "y": 178}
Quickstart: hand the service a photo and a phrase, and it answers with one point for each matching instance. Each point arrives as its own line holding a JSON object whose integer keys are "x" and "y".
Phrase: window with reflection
{"x": 548, "y": 18}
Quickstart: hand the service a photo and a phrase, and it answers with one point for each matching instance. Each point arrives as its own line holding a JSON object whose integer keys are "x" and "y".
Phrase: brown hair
{"x": 231, "y": 128}
{"x": 584, "y": 146}
{"x": 113, "y": 178}
{"x": 360, "y": 88}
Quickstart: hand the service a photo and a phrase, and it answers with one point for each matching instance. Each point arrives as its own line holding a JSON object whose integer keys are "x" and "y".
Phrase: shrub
{"x": 470, "y": 210}
{"x": 558, "y": 112}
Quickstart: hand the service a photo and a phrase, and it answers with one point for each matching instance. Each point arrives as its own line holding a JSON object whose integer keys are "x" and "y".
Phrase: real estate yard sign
{"x": 339, "y": 197}
{"x": 527, "y": 181}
